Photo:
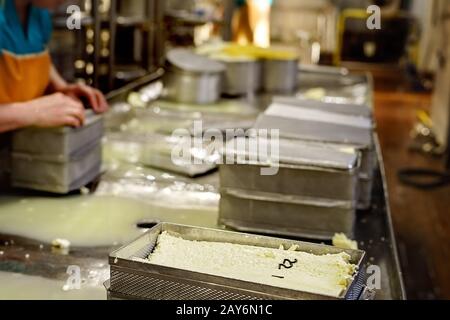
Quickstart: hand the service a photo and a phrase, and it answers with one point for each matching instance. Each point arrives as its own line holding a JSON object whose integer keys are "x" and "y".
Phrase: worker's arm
{"x": 95, "y": 98}
{"x": 49, "y": 111}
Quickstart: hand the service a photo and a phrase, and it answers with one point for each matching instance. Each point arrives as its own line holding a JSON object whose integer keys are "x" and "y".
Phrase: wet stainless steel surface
{"x": 373, "y": 231}
{"x": 44, "y": 271}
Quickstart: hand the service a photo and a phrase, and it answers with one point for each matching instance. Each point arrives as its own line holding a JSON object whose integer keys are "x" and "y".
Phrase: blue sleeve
{"x": 46, "y": 26}
{"x": 2, "y": 23}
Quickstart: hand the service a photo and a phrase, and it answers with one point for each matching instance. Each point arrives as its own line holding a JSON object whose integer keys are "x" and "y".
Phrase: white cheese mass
{"x": 327, "y": 275}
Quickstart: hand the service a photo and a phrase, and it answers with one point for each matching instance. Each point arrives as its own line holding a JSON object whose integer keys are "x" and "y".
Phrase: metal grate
{"x": 148, "y": 287}
{"x": 131, "y": 278}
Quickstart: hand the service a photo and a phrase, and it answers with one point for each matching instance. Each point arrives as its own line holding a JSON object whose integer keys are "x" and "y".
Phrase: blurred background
{"x": 133, "y": 35}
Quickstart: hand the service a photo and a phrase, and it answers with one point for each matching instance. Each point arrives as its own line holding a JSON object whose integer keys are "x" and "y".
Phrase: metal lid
{"x": 187, "y": 60}
{"x": 317, "y": 131}
{"x": 292, "y": 152}
{"x": 318, "y": 115}
{"x": 341, "y": 108}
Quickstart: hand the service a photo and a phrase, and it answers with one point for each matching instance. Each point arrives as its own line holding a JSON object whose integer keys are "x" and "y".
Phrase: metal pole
{"x": 97, "y": 27}
{"x": 112, "y": 42}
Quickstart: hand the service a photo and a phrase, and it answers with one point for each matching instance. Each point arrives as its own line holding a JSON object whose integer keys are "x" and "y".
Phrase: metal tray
{"x": 155, "y": 150}
{"x": 358, "y": 138}
{"x": 342, "y": 108}
{"x": 139, "y": 280}
{"x": 336, "y": 85}
{"x": 63, "y": 142}
{"x": 316, "y": 131}
{"x": 50, "y": 174}
{"x": 277, "y": 214}
{"x": 163, "y": 117}
{"x": 305, "y": 169}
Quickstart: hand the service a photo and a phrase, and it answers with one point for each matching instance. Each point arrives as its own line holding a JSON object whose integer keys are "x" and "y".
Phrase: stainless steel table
{"x": 374, "y": 233}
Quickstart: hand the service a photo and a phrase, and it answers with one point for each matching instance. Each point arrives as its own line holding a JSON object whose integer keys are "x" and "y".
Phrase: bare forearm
{"x": 50, "y": 111}
{"x": 14, "y": 116}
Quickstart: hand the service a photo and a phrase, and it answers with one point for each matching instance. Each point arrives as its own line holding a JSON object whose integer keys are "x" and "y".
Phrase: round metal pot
{"x": 192, "y": 87}
{"x": 242, "y": 77}
{"x": 192, "y": 78}
{"x": 280, "y": 75}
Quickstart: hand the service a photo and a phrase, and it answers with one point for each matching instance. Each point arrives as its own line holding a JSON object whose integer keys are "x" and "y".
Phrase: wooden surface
{"x": 421, "y": 218}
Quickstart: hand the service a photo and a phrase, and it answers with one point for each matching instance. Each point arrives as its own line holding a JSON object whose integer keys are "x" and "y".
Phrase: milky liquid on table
{"x": 91, "y": 221}
{"x": 23, "y": 287}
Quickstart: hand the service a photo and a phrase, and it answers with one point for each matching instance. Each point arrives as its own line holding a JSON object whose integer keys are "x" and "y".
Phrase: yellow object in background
{"x": 424, "y": 117}
{"x": 235, "y": 50}
{"x": 346, "y": 14}
{"x": 259, "y": 52}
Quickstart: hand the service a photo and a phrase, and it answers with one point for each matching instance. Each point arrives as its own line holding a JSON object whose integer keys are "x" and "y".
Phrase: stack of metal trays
{"x": 342, "y": 127}
{"x": 310, "y": 190}
{"x": 133, "y": 278}
{"x": 57, "y": 160}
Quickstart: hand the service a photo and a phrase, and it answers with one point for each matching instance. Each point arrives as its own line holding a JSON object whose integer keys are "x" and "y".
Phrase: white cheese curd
{"x": 340, "y": 240}
{"x": 327, "y": 275}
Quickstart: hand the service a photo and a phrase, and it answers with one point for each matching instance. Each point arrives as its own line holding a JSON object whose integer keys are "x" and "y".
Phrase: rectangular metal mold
{"x": 283, "y": 215}
{"x": 154, "y": 149}
{"x": 63, "y": 142}
{"x": 139, "y": 280}
{"x": 301, "y": 171}
{"x": 316, "y": 131}
{"x": 342, "y": 108}
{"x": 334, "y": 134}
{"x": 302, "y": 168}
{"x": 293, "y": 180}
{"x": 44, "y": 173}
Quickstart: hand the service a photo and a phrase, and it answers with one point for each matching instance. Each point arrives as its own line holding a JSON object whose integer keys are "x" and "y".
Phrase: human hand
{"x": 53, "y": 111}
{"x": 95, "y": 98}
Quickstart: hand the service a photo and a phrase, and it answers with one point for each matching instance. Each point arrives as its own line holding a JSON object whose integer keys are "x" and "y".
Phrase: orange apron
{"x": 24, "y": 77}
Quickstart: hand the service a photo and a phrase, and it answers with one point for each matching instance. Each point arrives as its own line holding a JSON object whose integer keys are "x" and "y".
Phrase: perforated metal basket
{"x": 131, "y": 279}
